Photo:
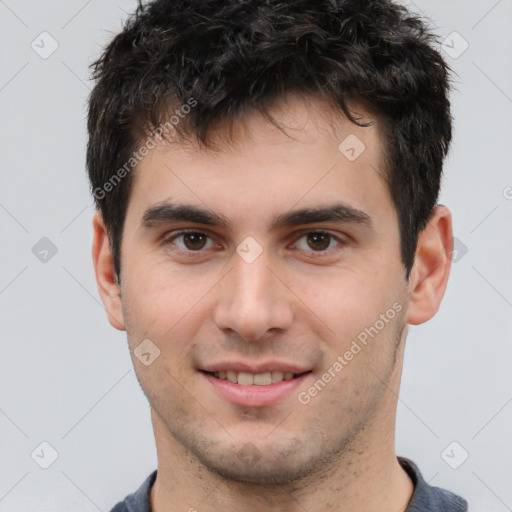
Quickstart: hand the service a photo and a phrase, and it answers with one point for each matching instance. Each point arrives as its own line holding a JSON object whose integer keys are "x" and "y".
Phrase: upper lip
{"x": 255, "y": 368}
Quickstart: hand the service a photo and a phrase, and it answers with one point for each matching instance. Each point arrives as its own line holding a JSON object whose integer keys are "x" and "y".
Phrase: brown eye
{"x": 194, "y": 241}
{"x": 191, "y": 241}
{"x": 318, "y": 241}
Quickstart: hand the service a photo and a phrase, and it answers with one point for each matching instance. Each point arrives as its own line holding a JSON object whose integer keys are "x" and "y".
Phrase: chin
{"x": 266, "y": 464}
{"x": 266, "y": 471}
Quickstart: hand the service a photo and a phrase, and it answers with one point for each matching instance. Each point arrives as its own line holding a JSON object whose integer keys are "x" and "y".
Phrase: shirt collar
{"x": 425, "y": 497}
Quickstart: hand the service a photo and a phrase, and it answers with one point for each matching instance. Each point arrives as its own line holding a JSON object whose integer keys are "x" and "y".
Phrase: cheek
{"x": 348, "y": 304}
{"x": 166, "y": 307}
{"x": 156, "y": 294}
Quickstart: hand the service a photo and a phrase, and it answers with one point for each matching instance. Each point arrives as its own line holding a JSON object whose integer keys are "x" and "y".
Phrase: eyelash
{"x": 192, "y": 253}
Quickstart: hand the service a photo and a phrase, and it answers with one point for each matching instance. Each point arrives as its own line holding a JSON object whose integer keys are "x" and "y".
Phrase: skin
{"x": 294, "y": 303}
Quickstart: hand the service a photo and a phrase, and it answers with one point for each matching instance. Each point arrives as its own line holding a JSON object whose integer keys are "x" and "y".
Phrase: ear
{"x": 432, "y": 263}
{"x": 106, "y": 278}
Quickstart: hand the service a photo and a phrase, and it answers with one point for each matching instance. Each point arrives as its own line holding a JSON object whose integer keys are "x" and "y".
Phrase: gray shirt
{"x": 424, "y": 499}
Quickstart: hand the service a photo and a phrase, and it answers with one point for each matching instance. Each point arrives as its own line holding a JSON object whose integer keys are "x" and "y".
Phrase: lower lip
{"x": 253, "y": 395}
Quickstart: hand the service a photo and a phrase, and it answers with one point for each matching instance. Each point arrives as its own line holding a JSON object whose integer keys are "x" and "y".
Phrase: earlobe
{"x": 106, "y": 278}
{"x": 429, "y": 276}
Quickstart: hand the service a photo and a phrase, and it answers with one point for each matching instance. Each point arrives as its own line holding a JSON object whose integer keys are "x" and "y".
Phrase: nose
{"x": 253, "y": 300}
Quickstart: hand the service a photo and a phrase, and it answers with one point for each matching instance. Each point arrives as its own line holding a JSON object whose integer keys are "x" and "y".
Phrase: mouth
{"x": 267, "y": 387}
{"x": 256, "y": 379}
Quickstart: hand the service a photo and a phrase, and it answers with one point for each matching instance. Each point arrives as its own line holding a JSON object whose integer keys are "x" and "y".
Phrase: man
{"x": 266, "y": 177}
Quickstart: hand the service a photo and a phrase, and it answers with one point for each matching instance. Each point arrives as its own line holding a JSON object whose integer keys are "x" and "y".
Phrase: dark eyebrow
{"x": 339, "y": 212}
{"x": 163, "y": 213}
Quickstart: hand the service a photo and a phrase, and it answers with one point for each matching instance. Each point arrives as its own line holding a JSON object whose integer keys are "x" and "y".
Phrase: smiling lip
{"x": 254, "y": 395}
{"x": 240, "y": 366}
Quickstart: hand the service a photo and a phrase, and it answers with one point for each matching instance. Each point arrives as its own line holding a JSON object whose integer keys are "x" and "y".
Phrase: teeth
{"x": 246, "y": 379}
{"x": 259, "y": 379}
{"x": 277, "y": 376}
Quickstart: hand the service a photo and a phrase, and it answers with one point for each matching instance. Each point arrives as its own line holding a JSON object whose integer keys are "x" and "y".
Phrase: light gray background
{"x": 65, "y": 374}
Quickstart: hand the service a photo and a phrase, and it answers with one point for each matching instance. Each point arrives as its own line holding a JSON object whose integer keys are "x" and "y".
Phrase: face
{"x": 273, "y": 262}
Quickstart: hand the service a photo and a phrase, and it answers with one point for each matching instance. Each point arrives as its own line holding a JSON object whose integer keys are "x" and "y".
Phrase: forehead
{"x": 312, "y": 154}
{"x": 306, "y": 119}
